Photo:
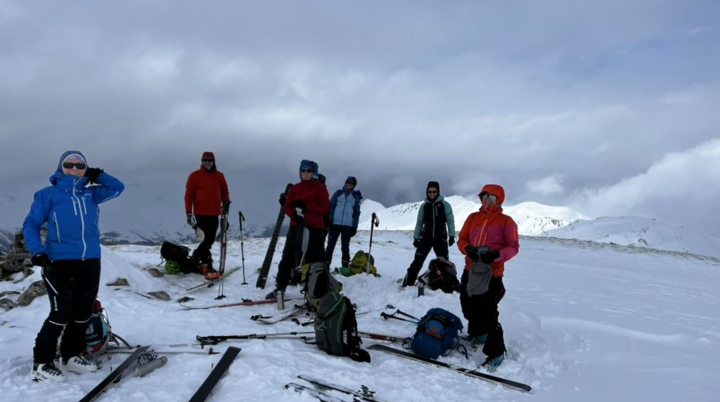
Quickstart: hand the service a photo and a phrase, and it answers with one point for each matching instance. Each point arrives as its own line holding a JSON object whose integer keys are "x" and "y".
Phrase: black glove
{"x": 416, "y": 243}
{"x": 451, "y": 241}
{"x": 93, "y": 174}
{"x": 353, "y": 232}
{"x": 226, "y": 205}
{"x": 300, "y": 204}
{"x": 41, "y": 260}
{"x": 473, "y": 253}
{"x": 489, "y": 257}
{"x": 191, "y": 221}
{"x": 282, "y": 199}
{"x": 297, "y": 218}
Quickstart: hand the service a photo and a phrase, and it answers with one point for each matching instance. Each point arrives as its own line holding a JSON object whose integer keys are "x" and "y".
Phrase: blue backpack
{"x": 437, "y": 334}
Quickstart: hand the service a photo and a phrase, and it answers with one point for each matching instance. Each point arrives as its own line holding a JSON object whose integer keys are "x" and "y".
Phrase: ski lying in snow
{"x": 313, "y": 392}
{"x": 467, "y": 372}
{"x": 365, "y": 394}
{"x": 245, "y": 302}
{"x": 381, "y": 337}
{"x": 209, "y": 284}
{"x": 215, "y": 339}
{"x": 115, "y": 375}
{"x": 265, "y": 269}
{"x": 223, "y": 365}
{"x": 278, "y": 317}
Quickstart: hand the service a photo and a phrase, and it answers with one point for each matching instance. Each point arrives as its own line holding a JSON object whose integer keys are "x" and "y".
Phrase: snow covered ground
{"x": 583, "y": 322}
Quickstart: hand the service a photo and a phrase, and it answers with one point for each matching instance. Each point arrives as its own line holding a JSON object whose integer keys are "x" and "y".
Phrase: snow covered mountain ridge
{"x": 533, "y": 219}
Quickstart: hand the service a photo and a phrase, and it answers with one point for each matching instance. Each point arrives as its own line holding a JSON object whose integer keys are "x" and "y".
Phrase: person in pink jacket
{"x": 488, "y": 239}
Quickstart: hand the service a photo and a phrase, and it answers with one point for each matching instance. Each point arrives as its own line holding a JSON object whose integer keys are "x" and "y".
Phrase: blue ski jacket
{"x": 72, "y": 215}
{"x": 345, "y": 208}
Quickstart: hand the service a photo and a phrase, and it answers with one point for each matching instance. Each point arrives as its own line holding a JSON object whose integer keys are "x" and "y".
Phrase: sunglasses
{"x": 432, "y": 192}
{"x": 490, "y": 196}
{"x": 306, "y": 170}
{"x": 208, "y": 160}
{"x": 70, "y": 165}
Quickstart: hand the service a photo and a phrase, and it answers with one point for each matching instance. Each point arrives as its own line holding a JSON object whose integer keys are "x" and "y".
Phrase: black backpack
{"x": 441, "y": 275}
{"x": 179, "y": 255}
{"x": 336, "y": 328}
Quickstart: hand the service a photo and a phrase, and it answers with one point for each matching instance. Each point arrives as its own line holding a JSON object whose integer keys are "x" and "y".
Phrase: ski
{"x": 209, "y": 284}
{"x": 115, "y": 375}
{"x": 278, "y": 317}
{"x": 365, "y": 394}
{"x": 223, "y": 248}
{"x": 313, "y": 392}
{"x": 265, "y": 269}
{"x": 223, "y": 365}
{"x": 471, "y": 373}
{"x": 215, "y": 339}
{"x": 381, "y": 337}
{"x": 245, "y": 302}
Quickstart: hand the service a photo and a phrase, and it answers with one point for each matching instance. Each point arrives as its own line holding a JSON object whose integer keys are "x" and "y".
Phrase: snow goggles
{"x": 70, "y": 165}
{"x": 483, "y": 196}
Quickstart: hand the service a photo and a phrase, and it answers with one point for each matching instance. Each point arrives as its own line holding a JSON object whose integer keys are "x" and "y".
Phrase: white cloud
{"x": 550, "y": 185}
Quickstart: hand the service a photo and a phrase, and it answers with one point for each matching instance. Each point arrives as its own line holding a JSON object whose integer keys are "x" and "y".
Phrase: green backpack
{"x": 359, "y": 264}
{"x": 317, "y": 282}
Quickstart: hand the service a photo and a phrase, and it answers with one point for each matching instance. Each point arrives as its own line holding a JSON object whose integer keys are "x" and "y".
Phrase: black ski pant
{"x": 343, "y": 232}
{"x": 293, "y": 254}
{"x": 440, "y": 246}
{"x": 482, "y": 314}
{"x": 72, "y": 287}
{"x": 209, "y": 225}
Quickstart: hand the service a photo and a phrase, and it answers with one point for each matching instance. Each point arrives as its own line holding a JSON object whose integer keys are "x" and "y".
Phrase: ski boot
{"x": 78, "y": 364}
{"x": 210, "y": 273}
{"x": 46, "y": 371}
{"x": 492, "y": 363}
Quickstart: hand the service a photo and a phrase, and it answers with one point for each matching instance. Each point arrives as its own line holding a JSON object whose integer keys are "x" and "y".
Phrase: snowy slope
{"x": 533, "y": 219}
{"x": 641, "y": 232}
{"x": 583, "y": 321}
{"x": 367, "y": 208}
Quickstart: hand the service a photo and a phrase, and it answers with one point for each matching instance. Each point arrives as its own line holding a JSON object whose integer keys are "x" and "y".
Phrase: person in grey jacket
{"x": 434, "y": 230}
{"x": 344, "y": 217}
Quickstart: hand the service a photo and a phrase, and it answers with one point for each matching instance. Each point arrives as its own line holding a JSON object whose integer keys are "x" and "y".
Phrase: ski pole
{"x": 388, "y": 316}
{"x": 374, "y": 222}
{"x": 406, "y": 314}
{"x": 241, "y": 218}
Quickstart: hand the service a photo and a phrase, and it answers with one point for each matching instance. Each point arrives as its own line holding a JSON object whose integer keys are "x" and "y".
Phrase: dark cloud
{"x": 551, "y": 99}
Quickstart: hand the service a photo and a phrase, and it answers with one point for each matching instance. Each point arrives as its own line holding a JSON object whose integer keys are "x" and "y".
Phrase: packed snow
{"x": 583, "y": 321}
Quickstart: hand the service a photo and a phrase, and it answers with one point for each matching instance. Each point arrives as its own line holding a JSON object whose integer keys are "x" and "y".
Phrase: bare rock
{"x": 34, "y": 290}
{"x": 161, "y": 295}
{"x": 119, "y": 282}
{"x": 156, "y": 272}
{"x": 7, "y": 304}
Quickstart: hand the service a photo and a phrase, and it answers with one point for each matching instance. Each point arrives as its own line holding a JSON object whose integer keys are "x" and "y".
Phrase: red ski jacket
{"x": 491, "y": 228}
{"x": 316, "y": 197}
{"x": 205, "y": 192}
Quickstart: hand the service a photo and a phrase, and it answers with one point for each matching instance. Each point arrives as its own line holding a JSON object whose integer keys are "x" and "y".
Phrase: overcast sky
{"x": 610, "y": 107}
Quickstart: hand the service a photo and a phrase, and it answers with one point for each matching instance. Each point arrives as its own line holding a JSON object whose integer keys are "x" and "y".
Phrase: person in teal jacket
{"x": 69, "y": 258}
{"x": 434, "y": 230}
{"x": 344, "y": 218}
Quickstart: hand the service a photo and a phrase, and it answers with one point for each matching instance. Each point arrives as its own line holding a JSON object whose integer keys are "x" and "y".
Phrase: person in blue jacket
{"x": 70, "y": 260}
{"x": 344, "y": 217}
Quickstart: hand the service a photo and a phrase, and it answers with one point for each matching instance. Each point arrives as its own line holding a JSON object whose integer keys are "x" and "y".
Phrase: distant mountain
{"x": 533, "y": 219}
{"x": 641, "y": 232}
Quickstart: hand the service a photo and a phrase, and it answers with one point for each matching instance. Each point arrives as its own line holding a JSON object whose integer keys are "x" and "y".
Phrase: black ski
{"x": 265, "y": 269}
{"x": 365, "y": 394}
{"x": 467, "y": 372}
{"x": 114, "y": 376}
{"x": 223, "y": 365}
{"x": 313, "y": 392}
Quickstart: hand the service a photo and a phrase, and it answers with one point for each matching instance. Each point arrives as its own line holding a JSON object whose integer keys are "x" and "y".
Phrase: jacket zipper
{"x": 342, "y": 218}
{"x": 57, "y": 226}
{"x": 82, "y": 223}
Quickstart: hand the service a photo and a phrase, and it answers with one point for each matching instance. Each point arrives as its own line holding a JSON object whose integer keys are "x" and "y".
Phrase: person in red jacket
{"x": 206, "y": 192}
{"x": 488, "y": 239}
{"x": 307, "y": 204}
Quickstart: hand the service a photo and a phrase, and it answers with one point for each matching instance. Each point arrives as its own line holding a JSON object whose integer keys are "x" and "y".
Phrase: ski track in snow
{"x": 583, "y": 322}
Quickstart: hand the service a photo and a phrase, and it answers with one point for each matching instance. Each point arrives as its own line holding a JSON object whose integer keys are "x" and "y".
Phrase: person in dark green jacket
{"x": 434, "y": 230}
